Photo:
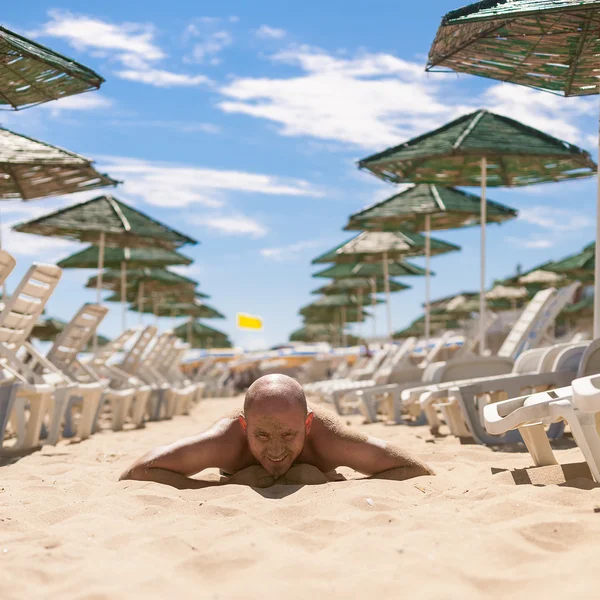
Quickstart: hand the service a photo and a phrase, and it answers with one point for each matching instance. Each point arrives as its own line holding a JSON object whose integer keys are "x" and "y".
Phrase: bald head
{"x": 275, "y": 393}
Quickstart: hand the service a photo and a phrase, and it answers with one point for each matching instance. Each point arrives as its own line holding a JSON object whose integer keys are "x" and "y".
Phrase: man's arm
{"x": 175, "y": 463}
{"x": 369, "y": 455}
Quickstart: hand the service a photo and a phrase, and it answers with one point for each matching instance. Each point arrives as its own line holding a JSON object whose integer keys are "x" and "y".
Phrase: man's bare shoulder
{"x": 328, "y": 426}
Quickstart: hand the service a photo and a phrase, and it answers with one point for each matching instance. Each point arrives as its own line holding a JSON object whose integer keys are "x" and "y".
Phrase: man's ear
{"x": 243, "y": 422}
{"x": 309, "y": 420}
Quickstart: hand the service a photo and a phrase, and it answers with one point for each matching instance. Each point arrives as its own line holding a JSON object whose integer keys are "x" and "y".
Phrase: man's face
{"x": 276, "y": 438}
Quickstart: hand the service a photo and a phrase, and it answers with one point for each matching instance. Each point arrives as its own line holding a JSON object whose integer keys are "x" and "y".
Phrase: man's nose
{"x": 276, "y": 447}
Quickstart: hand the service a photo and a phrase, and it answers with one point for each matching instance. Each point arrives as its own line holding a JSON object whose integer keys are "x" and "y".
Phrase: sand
{"x": 69, "y": 529}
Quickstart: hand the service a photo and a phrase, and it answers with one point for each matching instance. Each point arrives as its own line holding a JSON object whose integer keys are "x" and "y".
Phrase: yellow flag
{"x": 245, "y": 321}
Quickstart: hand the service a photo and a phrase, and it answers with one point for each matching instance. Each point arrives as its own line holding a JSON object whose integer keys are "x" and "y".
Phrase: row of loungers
{"x": 45, "y": 398}
{"x": 525, "y": 394}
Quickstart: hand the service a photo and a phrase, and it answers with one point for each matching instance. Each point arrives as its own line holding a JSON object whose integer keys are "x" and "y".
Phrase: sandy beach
{"x": 69, "y": 529}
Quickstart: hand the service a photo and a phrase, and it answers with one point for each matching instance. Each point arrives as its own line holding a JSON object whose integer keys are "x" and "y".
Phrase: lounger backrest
{"x": 23, "y": 308}
{"x": 76, "y": 335}
{"x": 590, "y": 363}
{"x": 164, "y": 358}
{"x": 155, "y": 351}
{"x": 529, "y": 361}
{"x": 472, "y": 335}
{"x": 108, "y": 350}
{"x": 133, "y": 358}
{"x": 7, "y": 264}
{"x": 516, "y": 340}
{"x": 475, "y": 367}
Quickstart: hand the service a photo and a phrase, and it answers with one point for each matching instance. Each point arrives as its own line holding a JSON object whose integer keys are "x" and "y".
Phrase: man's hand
{"x": 303, "y": 475}
{"x": 255, "y": 476}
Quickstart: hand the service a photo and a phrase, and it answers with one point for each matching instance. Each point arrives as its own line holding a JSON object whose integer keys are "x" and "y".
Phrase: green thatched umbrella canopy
{"x": 195, "y": 308}
{"x": 396, "y": 269}
{"x": 133, "y": 257}
{"x": 31, "y": 73}
{"x": 154, "y": 279}
{"x": 371, "y": 246}
{"x": 47, "y": 328}
{"x": 199, "y": 335}
{"x": 516, "y": 155}
{"x": 364, "y": 285}
{"x": 119, "y": 224}
{"x": 577, "y": 266}
{"x": 545, "y": 44}
{"x": 320, "y": 333}
{"x": 443, "y": 207}
{"x": 31, "y": 169}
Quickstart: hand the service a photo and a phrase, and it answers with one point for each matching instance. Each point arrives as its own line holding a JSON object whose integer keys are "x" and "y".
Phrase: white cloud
{"x": 211, "y": 43}
{"x": 240, "y": 225}
{"x": 289, "y": 252}
{"x": 80, "y": 102}
{"x": 270, "y": 33}
{"x": 131, "y": 44}
{"x": 372, "y": 100}
{"x": 160, "y": 78}
{"x": 181, "y": 126}
{"x": 193, "y": 270}
{"x": 88, "y": 33}
{"x": 555, "y": 219}
{"x": 532, "y": 243}
{"x": 170, "y": 184}
{"x": 378, "y": 100}
{"x": 550, "y": 113}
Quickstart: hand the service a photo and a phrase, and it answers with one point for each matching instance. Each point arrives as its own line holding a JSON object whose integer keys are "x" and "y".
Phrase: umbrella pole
{"x": 189, "y": 332}
{"x": 360, "y": 315}
{"x": 4, "y": 298}
{"x": 141, "y": 300}
{"x": 597, "y": 268}
{"x": 155, "y": 307}
{"x": 374, "y": 304}
{"x": 386, "y": 283}
{"x": 344, "y": 339}
{"x": 483, "y": 219}
{"x": 99, "y": 282}
{"x": 123, "y": 295}
{"x": 427, "y": 278}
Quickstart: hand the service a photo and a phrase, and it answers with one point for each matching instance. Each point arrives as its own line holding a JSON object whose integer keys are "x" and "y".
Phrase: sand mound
{"x": 69, "y": 528}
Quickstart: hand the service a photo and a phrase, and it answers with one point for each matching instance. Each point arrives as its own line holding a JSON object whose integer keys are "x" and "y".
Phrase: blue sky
{"x": 239, "y": 124}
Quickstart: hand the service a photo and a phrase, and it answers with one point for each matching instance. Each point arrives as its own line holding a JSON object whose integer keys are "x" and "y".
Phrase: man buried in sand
{"x": 277, "y": 438}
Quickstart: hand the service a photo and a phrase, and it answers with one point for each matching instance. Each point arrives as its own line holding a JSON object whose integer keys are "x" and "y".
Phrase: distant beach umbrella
{"x": 199, "y": 335}
{"x": 579, "y": 266}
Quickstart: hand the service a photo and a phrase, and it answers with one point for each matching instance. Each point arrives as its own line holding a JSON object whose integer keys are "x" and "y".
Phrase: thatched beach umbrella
{"x": 195, "y": 308}
{"x": 153, "y": 284}
{"x": 31, "y": 74}
{"x": 427, "y": 207}
{"x": 551, "y": 46}
{"x": 346, "y": 307}
{"x": 31, "y": 169}
{"x": 123, "y": 259}
{"x": 359, "y": 285}
{"x": 481, "y": 149}
{"x": 106, "y": 221}
{"x": 505, "y": 292}
{"x": 580, "y": 266}
{"x": 320, "y": 333}
{"x": 199, "y": 335}
{"x": 381, "y": 247}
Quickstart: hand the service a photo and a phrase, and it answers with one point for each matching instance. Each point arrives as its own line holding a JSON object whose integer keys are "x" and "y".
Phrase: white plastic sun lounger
{"x": 527, "y": 333}
{"x": 577, "y": 404}
{"x": 39, "y": 391}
